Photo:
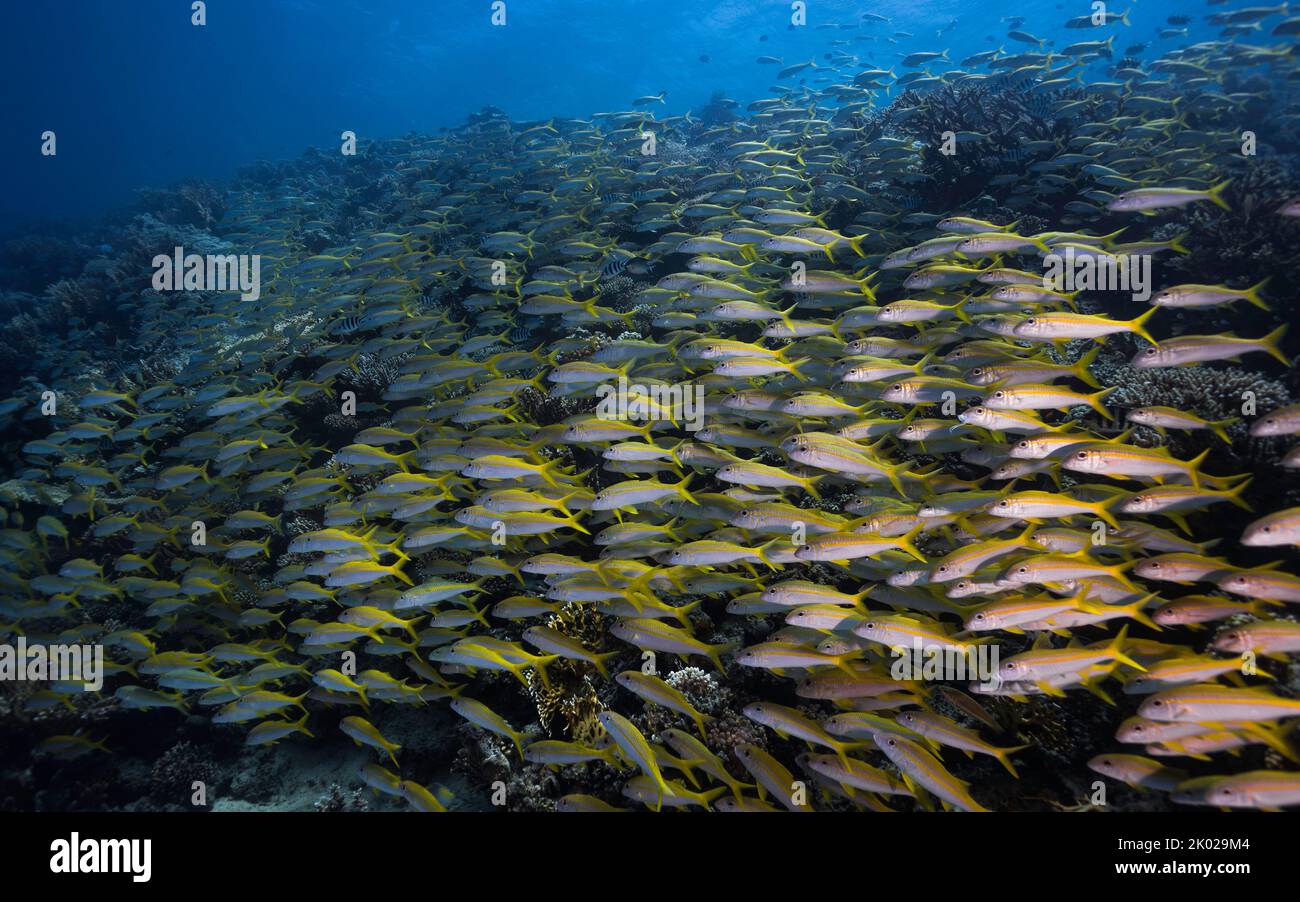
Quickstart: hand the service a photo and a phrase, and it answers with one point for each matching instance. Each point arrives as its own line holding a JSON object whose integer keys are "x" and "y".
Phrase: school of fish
{"x": 900, "y": 443}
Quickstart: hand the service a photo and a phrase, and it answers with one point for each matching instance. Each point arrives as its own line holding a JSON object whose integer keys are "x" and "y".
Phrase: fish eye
{"x": 979, "y": 616}
{"x": 1031, "y": 320}
{"x": 898, "y": 386}
{"x": 1150, "y": 352}
{"x": 999, "y": 394}
{"x": 1082, "y": 455}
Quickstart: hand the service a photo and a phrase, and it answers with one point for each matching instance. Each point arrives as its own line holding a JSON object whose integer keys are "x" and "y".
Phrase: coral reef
{"x": 338, "y": 798}
{"x": 174, "y": 773}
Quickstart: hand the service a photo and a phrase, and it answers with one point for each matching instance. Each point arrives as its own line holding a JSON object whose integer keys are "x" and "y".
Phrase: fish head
{"x": 1151, "y": 357}
{"x": 1263, "y": 533}
{"x": 1000, "y": 399}
{"x": 962, "y": 588}
{"x": 836, "y": 725}
{"x": 1150, "y": 569}
{"x": 1244, "y": 583}
{"x": 870, "y": 629}
{"x": 903, "y": 578}
{"x": 1085, "y": 461}
{"x": 892, "y": 746}
{"x": 1228, "y": 794}
{"x": 1030, "y": 327}
{"x": 1163, "y": 707}
{"x": 1134, "y": 730}
{"x": 1017, "y": 575}
{"x": 1108, "y": 766}
{"x": 1235, "y": 640}
{"x": 1128, "y": 201}
{"x": 1169, "y": 615}
{"x": 1139, "y": 504}
{"x": 1269, "y": 426}
{"x": 899, "y": 391}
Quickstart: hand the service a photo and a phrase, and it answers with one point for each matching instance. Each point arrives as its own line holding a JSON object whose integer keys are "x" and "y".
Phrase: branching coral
{"x": 1241, "y": 245}
{"x": 192, "y": 203}
{"x": 175, "y": 772}
{"x": 1211, "y": 393}
{"x": 337, "y": 798}
{"x": 996, "y": 122}
{"x": 570, "y": 698}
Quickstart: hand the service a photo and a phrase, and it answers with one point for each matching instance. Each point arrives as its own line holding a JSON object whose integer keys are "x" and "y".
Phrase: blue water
{"x": 140, "y": 97}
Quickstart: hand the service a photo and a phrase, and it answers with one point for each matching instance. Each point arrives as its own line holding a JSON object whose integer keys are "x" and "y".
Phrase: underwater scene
{"x": 650, "y": 405}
